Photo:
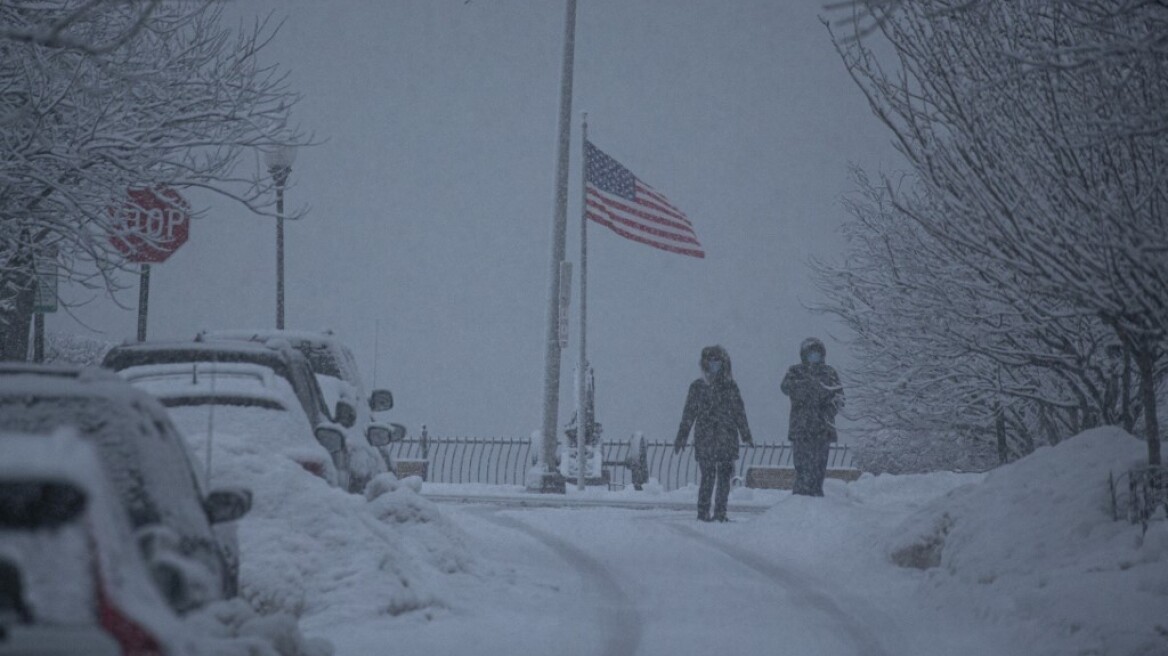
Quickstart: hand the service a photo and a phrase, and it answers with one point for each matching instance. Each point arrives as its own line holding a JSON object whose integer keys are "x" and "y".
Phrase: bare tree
{"x": 942, "y": 346}
{"x": 1044, "y": 180}
{"x": 101, "y": 96}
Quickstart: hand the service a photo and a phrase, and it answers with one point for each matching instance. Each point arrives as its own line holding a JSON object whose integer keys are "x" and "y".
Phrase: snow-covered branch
{"x": 99, "y": 97}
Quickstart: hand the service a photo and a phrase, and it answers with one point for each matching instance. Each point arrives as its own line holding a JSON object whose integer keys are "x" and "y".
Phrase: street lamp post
{"x": 279, "y": 160}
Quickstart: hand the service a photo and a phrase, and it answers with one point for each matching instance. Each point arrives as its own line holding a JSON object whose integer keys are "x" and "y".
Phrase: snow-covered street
{"x": 623, "y": 582}
{"x": 807, "y": 576}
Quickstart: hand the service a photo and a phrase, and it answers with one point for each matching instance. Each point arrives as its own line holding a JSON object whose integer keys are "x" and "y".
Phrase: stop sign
{"x": 151, "y": 224}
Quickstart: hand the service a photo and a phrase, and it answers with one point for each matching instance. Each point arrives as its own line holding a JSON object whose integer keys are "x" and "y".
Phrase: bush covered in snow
{"x": 68, "y": 348}
{"x": 917, "y": 452}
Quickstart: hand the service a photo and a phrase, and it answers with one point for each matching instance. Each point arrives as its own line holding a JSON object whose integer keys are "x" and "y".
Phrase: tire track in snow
{"x": 866, "y": 641}
{"x": 618, "y": 618}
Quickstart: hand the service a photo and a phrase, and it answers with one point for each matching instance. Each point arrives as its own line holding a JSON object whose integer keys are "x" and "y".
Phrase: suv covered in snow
{"x": 148, "y": 464}
{"x": 338, "y": 374}
{"x": 356, "y": 463}
{"x": 72, "y": 579}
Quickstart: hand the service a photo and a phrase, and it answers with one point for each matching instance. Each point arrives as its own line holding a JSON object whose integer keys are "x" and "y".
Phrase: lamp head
{"x": 280, "y": 157}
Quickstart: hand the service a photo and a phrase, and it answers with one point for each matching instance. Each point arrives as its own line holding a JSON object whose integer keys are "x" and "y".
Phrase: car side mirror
{"x": 378, "y": 434}
{"x": 227, "y": 504}
{"x": 346, "y": 414}
{"x": 383, "y": 434}
{"x": 399, "y": 432}
{"x": 381, "y": 400}
{"x": 332, "y": 439}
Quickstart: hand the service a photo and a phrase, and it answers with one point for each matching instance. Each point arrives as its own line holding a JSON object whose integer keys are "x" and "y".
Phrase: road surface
{"x": 584, "y": 581}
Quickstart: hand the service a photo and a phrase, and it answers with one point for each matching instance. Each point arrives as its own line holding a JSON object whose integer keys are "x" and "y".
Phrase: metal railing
{"x": 504, "y": 461}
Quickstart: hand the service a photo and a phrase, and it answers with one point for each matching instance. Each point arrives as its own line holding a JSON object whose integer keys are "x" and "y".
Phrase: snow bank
{"x": 1035, "y": 544}
{"x": 232, "y": 628}
{"x": 322, "y": 555}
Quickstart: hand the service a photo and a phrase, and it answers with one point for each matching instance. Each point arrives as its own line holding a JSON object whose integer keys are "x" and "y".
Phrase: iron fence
{"x": 504, "y": 461}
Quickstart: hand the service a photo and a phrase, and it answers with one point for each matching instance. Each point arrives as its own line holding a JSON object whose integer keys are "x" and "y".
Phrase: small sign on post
{"x": 46, "y": 282}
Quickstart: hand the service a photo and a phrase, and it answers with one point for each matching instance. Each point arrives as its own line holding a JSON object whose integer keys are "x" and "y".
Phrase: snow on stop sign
{"x": 151, "y": 225}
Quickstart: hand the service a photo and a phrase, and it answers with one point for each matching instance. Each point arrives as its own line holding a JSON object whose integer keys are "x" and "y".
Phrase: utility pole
{"x": 550, "y": 479}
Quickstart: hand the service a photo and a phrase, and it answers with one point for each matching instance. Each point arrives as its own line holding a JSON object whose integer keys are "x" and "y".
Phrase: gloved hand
{"x": 748, "y": 441}
{"x": 677, "y": 448}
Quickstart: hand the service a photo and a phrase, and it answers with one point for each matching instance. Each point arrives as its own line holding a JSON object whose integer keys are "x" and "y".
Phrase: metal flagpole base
{"x": 552, "y": 482}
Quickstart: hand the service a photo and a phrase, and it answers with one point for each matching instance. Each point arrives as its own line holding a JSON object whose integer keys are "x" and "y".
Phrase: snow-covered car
{"x": 72, "y": 579}
{"x": 228, "y": 408}
{"x": 287, "y": 363}
{"x": 339, "y": 377}
{"x": 148, "y": 463}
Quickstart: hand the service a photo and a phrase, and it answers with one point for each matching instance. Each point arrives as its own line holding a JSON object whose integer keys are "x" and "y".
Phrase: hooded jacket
{"x": 715, "y": 412}
{"x": 816, "y": 395}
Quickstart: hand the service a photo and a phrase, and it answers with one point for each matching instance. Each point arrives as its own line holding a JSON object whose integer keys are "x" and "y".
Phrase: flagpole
{"x": 583, "y": 417}
{"x": 550, "y": 480}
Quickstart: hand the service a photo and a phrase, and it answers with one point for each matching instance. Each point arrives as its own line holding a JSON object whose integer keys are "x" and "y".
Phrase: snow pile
{"x": 318, "y": 553}
{"x": 232, "y": 628}
{"x": 1035, "y": 545}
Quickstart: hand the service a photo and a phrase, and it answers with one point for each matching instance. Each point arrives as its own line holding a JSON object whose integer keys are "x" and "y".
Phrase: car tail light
{"x": 133, "y": 638}
{"x": 314, "y": 467}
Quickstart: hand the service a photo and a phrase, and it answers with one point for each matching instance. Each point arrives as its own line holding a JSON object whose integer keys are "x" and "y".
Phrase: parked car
{"x": 226, "y": 408}
{"x": 356, "y": 463}
{"x": 338, "y": 374}
{"x": 72, "y": 579}
{"x": 147, "y": 461}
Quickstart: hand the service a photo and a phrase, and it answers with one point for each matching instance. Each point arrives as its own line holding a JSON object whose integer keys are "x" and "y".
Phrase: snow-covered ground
{"x": 1028, "y": 561}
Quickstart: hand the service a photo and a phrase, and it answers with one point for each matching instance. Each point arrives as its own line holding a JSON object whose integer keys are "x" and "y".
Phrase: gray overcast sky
{"x": 430, "y": 202}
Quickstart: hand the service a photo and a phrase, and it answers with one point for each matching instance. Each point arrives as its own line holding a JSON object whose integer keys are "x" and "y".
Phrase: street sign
{"x": 151, "y": 225}
{"x": 45, "y": 299}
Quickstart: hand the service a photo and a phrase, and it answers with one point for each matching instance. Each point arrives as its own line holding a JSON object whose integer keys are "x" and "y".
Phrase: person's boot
{"x": 721, "y": 517}
{"x": 704, "y": 517}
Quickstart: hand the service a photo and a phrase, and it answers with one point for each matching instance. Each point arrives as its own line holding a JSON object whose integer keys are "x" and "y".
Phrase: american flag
{"x": 632, "y": 209}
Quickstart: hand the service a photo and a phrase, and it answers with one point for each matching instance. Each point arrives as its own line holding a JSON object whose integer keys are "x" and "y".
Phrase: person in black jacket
{"x": 714, "y": 409}
{"x": 816, "y": 396}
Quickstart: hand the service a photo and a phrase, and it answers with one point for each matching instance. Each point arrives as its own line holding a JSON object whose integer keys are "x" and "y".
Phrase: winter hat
{"x": 719, "y": 353}
{"x": 811, "y": 344}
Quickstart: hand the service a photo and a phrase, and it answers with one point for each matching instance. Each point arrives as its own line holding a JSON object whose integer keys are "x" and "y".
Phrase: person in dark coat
{"x": 714, "y": 409}
{"x": 816, "y": 396}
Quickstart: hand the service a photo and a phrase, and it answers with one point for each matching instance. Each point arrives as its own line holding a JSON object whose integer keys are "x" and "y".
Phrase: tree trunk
{"x": 1049, "y": 426}
{"x": 1024, "y": 440}
{"x": 1000, "y": 429}
{"x": 1146, "y": 366}
{"x": 1129, "y": 420}
{"x": 16, "y": 305}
